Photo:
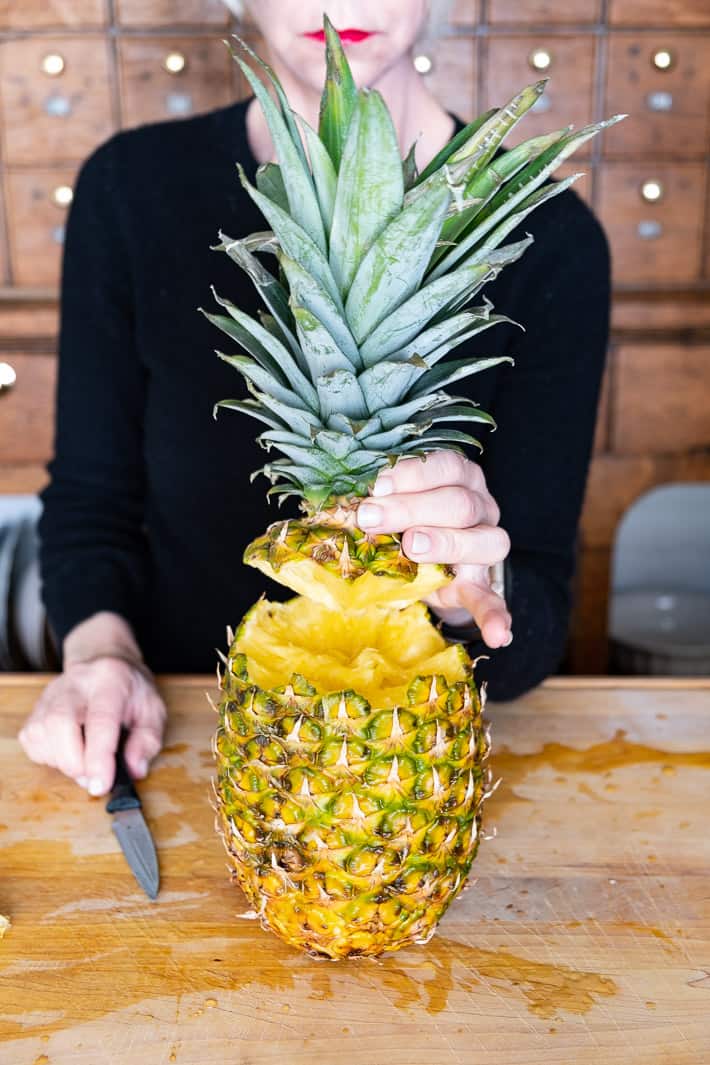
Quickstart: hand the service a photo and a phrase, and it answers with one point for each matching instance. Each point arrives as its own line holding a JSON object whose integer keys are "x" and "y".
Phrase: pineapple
{"x": 351, "y": 749}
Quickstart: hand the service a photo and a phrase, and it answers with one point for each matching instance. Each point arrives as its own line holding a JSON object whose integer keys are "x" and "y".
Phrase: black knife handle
{"x": 123, "y": 794}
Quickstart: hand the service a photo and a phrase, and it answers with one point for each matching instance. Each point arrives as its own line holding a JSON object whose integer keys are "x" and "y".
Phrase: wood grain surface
{"x": 583, "y": 937}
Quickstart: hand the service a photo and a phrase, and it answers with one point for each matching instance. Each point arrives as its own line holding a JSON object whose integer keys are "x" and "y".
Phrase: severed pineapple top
{"x": 376, "y": 269}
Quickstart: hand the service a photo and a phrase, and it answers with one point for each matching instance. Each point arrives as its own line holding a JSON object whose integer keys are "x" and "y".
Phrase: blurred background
{"x": 74, "y": 71}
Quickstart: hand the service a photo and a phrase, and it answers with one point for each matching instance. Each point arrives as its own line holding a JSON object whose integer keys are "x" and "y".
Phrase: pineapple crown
{"x": 376, "y": 267}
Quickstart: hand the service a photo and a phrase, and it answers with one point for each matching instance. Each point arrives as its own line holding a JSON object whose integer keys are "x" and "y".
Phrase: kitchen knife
{"x": 130, "y": 828}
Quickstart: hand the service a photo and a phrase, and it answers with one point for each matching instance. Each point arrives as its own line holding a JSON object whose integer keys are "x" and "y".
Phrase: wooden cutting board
{"x": 586, "y": 938}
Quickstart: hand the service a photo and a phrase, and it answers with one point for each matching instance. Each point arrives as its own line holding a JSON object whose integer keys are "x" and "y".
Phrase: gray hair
{"x": 439, "y": 11}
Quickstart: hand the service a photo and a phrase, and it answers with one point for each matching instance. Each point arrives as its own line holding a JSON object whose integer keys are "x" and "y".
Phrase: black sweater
{"x": 149, "y": 506}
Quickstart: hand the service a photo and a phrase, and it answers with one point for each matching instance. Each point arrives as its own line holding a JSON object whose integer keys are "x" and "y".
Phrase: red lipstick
{"x": 350, "y": 35}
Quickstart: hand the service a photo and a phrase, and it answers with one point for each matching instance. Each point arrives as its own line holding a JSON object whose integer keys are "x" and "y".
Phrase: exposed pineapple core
{"x": 377, "y": 655}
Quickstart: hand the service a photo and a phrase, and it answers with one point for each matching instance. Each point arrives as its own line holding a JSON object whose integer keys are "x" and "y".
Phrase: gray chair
{"x": 659, "y": 617}
{"x": 25, "y": 642}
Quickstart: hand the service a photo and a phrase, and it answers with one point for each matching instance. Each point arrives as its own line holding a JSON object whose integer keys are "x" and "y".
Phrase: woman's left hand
{"x": 448, "y": 515}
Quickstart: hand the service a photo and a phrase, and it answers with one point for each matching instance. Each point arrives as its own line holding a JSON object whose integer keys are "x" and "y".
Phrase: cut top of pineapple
{"x": 378, "y": 653}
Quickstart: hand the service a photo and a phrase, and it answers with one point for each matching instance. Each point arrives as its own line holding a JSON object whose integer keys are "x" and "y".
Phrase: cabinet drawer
{"x": 659, "y": 13}
{"x": 172, "y": 13}
{"x": 570, "y": 92}
{"x": 36, "y": 223}
{"x": 53, "y": 118}
{"x": 48, "y": 14}
{"x": 173, "y": 77}
{"x": 451, "y": 75}
{"x": 653, "y": 241}
{"x": 27, "y": 410}
{"x": 465, "y": 13}
{"x": 544, "y": 11}
{"x": 662, "y": 399}
{"x": 668, "y": 108}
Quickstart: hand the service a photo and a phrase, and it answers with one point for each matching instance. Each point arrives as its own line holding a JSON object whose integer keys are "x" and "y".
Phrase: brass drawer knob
{"x": 652, "y": 191}
{"x": 663, "y": 59}
{"x": 53, "y": 64}
{"x": 7, "y": 377}
{"x": 540, "y": 59}
{"x": 62, "y": 195}
{"x": 423, "y": 63}
{"x": 175, "y": 62}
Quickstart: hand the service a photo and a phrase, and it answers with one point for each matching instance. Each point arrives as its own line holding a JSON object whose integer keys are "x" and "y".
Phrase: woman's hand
{"x": 448, "y": 515}
{"x": 99, "y": 691}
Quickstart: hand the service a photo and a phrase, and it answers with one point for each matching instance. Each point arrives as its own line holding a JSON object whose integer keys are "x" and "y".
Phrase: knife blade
{"x": 130, "y": 828}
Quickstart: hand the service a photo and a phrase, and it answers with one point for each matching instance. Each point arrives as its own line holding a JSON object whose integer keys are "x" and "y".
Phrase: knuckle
{"x": 452, "y": 465}
{"x": 464, "y": 507}
{"x": 500, "y": 543}
{"x": 445, "y": 545}
{"x": 475, "y": 474}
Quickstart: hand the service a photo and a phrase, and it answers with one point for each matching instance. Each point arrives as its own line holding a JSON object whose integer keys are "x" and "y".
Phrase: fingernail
{"x": 142, "y": 768}
{"x": 96, "y": 786}
{"x": 420, "y": 543}
{"x": 508, "y": 642}
{"x": 368, "y": 514}
{"x": 383, "y": 486}
{"x": 83, "y": 782}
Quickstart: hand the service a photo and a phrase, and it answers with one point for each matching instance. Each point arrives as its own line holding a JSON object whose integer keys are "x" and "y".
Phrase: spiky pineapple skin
{"x": 350, "y": 828}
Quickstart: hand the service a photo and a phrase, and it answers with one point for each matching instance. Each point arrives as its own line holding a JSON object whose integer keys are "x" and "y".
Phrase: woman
{"x": 150, "y": 504}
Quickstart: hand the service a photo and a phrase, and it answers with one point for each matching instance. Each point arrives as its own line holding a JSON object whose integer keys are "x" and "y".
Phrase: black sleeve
{"x": 536, "y": 462}
{"x": 92, "y": 552}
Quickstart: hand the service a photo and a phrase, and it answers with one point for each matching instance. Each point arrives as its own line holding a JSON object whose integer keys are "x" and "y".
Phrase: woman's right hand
{"x": 76, "y": 722}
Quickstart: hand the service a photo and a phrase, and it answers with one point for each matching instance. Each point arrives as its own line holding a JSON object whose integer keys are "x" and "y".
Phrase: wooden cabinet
{"x": 658, "y": 412}
{"x": 576, "y": 12}
{"x": 74, "y": 71}
{"x": 29, "y": 15}
{"x": 569, "y": 63}
{"x": 26, "y": 410}
{"x": 171, "y": 13}
{"x": 173, "y": 77}
{"x": 653, "y": 213}
{"x": 55, "y": 98}
{"x": 37, "y": 201}
{"x": 452, "y": 76}
{"x": 662, "y": 80}
{"x": 643, "y": 13}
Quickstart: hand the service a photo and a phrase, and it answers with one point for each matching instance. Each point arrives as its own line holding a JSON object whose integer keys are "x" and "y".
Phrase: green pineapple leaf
{"x": 339, "y": 95}
{"x": 321, "y": 352}
{"x": 515, "y": 191}
{"x": 307, "y": 291}
{"x": 370, "y": 187}
{"x": 270, "y": 182}
{"x": 448, "y": 372}
{"x": 255, "y": 373}
{"x": 454, "y": 144}
{"x": 324, "y": 174}
{"x": 294, "y": 240}
{"x": 286, "y": 112}
{"x": 297, "y": 180}
{"x": 409, "y": 167}
{"x": 393, "y": 268}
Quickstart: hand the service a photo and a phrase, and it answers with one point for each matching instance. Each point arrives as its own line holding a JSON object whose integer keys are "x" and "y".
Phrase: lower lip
{"x": 346, "y": 36}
